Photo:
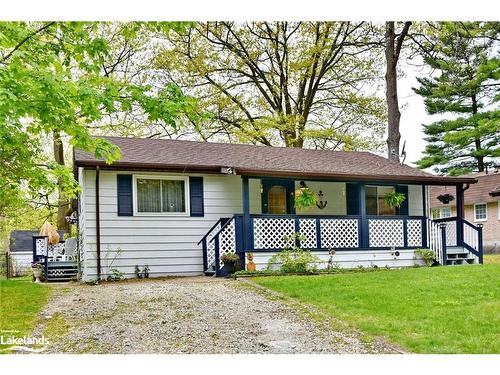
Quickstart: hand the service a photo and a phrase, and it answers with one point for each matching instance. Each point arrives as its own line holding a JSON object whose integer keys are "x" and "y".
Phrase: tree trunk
{"x": 477, "y": 141}
{"x": 63, "y": 205}
{"x": 391, "y": 93}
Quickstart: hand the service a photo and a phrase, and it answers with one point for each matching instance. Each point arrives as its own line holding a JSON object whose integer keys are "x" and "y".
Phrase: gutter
{"x": 97, "y": 224}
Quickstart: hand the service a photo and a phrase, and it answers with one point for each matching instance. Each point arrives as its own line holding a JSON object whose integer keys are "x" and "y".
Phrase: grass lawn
{"x": 492, "y": 259}
{"x": 425, "y": 310}
{"x": 20, "y": 302}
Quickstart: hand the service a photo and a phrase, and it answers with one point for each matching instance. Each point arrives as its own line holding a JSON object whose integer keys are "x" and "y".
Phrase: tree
{"x": 465, "y": 84}
{"x": 55, "y": 81}
{"x": 393, "y": 45}
{"x": 298, "y": 84}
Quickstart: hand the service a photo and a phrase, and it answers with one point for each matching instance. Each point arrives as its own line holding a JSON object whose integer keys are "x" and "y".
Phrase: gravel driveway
{"x": 186, "y": 315}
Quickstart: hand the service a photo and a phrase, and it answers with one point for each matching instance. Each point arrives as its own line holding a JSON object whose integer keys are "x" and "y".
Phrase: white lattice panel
{"x": 339, "y": 233}
{"x": 386, "y": 232}
{"x": 55, "y": 250}
{"x": 270, "y": 233}
{"x": 227, "y": 240}
{"x": 211, "y": 245}
{"x": 308, "y": 232}
{"x": 451, "y": 233}
{"x": 41, "y": 246}
{"x": 414, "y": 230}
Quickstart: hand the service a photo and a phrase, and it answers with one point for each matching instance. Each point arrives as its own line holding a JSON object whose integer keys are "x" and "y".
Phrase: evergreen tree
{"x": 465, "y": 84}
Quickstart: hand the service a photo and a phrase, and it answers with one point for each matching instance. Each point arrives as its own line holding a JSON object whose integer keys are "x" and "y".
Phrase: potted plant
{"x": 305, "y": 197}
{"x": 394, "y": 199}
{"x": 37, "y": 269}
{"x": 230, "y": 260}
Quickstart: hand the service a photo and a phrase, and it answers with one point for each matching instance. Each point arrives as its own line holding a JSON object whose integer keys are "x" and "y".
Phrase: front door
{"x": 278, "y": 196}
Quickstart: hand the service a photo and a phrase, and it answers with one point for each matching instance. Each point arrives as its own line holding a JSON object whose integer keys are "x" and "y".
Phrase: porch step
{"x": 61, "y": 271}
{"x": 458, "y": 255}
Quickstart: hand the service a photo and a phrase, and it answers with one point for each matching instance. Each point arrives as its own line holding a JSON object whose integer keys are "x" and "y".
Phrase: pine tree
{"x": 464, "y": 87}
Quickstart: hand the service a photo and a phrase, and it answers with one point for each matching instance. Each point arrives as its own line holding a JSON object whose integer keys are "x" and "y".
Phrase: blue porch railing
{"x": 319, "y": 233}
{"x": 458, "y": 232}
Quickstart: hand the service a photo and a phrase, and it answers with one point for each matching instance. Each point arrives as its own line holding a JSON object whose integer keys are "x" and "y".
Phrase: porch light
{"x": 227, "y": 170}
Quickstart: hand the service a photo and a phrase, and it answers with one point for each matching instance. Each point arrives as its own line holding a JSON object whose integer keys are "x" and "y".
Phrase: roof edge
{"x": 429, "y": 180}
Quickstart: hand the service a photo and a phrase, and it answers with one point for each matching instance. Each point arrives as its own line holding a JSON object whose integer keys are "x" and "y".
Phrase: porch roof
{"x": 251, "y": 160}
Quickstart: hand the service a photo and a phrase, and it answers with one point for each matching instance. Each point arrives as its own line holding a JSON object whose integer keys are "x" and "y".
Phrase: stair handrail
{"x": 212, "y": 228}
{"x": 222, "y": 228}
{"x": 435, "y": 239}
{"x": 479, "y": 231}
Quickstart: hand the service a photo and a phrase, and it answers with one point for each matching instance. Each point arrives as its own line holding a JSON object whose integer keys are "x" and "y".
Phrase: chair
{"x": 70, "y": 247}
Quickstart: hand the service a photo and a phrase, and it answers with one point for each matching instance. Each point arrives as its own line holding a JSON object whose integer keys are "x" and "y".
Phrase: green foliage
{"x": 464, "y": 56}
{"x": 115, "y": 275}
{"x": 56, "y": 77}
{"x": 293, "y": 259}
{"x": 426, "y": 255}
{"x": 394, "y": 199}
{"x": 305, "y": 198}
{"x": 229, "y": 258}
{"x": 298, "y": 84}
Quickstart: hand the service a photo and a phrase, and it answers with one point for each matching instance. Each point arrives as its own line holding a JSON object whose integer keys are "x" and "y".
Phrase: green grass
{"x": 21, "y": 301}
{"x": 425, "y": 310}
{"x": 492, "y": 259}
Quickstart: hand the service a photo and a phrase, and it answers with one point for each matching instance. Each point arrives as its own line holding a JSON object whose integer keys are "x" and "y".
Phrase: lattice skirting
{"x": 386, "y": 232}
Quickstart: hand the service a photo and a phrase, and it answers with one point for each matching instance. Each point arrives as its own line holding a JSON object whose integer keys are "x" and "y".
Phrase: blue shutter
{"x": 352, "y": 198}
{"x": 196, "y": 196}
{"x": 124, "y": 192}
{"x": 403, "y": 189}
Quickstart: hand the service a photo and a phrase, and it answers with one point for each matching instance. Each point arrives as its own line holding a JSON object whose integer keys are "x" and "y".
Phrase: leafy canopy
{"x": 465, "y": 89}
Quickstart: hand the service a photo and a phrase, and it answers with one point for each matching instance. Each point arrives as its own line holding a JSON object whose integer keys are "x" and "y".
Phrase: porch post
{"x": 365, "y": 241}
{"x": 460, "y": 214}
{"x": 246, "y": 213}
{"x": 425, "y": 217}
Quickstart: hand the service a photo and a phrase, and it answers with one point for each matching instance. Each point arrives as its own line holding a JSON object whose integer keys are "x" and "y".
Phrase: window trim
{"x": 187, "y": 208}
{"x": 485, "y": 211}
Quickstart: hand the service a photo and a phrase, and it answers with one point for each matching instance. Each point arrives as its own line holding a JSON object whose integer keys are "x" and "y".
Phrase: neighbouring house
{"x": 174, "y": 207}
{"x": 481, "y": 203}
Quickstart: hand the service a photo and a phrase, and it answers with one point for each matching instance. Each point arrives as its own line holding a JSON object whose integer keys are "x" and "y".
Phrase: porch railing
{"x": 456, "y": 232}
{"x": 268, "y": 232}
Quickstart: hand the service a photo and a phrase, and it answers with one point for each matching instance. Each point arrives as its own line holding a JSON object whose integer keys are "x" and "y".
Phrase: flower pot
{"x": 37, "y": 274}
{"x": 229, "y": 267}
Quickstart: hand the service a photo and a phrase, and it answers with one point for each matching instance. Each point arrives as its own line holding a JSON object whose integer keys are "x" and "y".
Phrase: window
{"x": 436, "y": 213}
{"x": 480, "y": 212}
{"x": 375, "y": 203}
{"x": 445, "y": 212}
{"x": 165, "y": 195}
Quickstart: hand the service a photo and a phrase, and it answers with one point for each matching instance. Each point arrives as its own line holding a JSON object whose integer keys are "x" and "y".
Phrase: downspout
{"x": 97, "y": 224}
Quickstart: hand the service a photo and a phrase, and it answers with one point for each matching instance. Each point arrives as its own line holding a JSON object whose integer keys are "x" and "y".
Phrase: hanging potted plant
{"x": 230, "y": 261}
{"x": 394, "y": 199}
{"x": 37, "y": 269}
{"x": 305, "y": 197}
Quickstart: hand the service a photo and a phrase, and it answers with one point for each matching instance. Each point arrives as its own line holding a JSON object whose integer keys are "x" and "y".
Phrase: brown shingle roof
{"x": 477, "y": 193}
{"x": 140, "y": 153}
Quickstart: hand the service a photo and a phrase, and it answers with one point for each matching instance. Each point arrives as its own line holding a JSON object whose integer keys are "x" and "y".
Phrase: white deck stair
{"x": 458, "y": 255}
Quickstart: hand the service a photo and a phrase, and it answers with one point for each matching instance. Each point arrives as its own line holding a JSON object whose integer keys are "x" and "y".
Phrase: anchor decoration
{"x": 321, "y": 204}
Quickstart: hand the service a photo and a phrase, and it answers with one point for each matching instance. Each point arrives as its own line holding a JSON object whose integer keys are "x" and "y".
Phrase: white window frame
{"x": 441, "y": 216}
{"x": 485, "y": 211}
{"x": 161, "y": 177}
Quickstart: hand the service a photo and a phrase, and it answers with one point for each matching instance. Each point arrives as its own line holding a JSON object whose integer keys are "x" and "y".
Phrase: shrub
{"x": 426, "y": 255}
{"x": 294, "y": 261}
{"x": 229, "y": 258}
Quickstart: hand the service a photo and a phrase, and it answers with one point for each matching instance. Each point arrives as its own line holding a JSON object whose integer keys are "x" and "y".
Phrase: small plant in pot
{"x": 37, "y": 269}
{"x": 230, "y": 261}
{"x": 394, "y": 199}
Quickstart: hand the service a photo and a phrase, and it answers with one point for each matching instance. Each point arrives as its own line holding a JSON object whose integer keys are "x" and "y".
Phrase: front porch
{"x": 366, "y": 233}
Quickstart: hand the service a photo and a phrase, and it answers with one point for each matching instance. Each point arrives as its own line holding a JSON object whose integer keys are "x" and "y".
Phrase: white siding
{"x": 167, "y": 244}
{"x": 333, "y": 193}
{"x": 21, "y": 262}
{"x": 353, "y": 259}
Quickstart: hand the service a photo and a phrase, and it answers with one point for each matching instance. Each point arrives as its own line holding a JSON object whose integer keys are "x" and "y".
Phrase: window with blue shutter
{"x": 196, "y": 196}
{"x": 124, "y": 192}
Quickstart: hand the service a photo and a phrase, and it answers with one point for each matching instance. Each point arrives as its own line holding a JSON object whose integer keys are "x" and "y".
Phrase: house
{"x": 176, "y": 206}
{"x": 481, "y": 203}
